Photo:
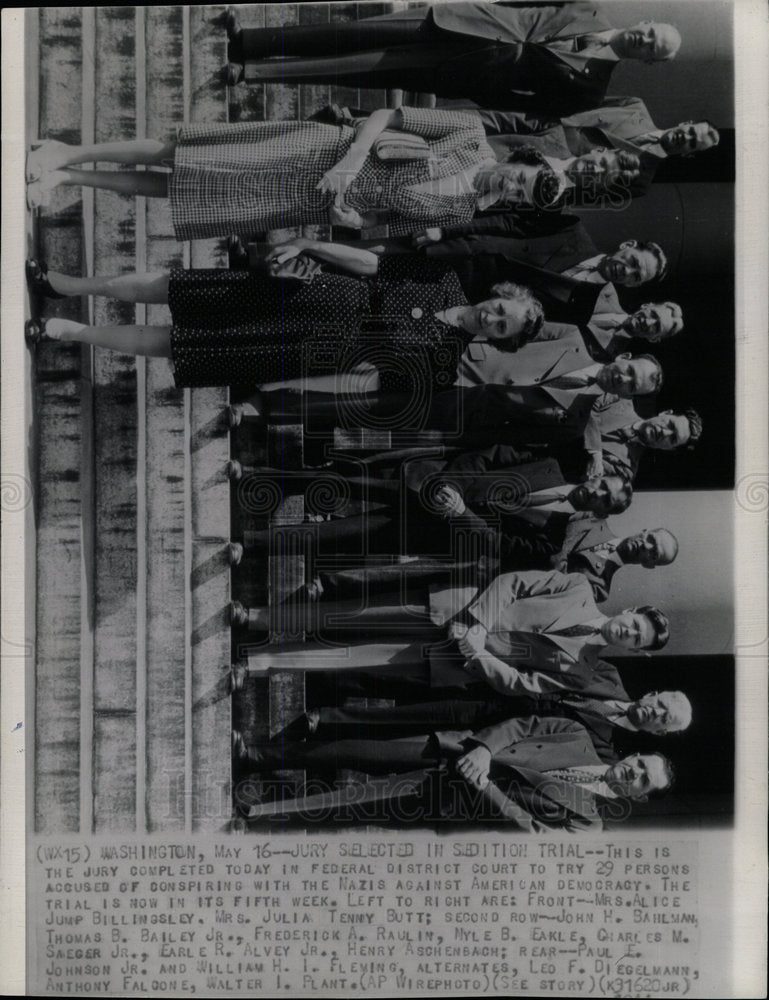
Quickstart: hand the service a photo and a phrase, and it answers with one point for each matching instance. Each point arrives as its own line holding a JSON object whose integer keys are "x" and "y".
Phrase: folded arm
{"x": 510, "y": 681}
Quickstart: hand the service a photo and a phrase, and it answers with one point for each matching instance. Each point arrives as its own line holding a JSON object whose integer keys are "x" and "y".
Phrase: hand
{"x": 340, "y": 214}
{"x": 285, "y": 251}
{"x": 336, "y": 180}
{"x": 473, "y": 641}
{"x": 474, "y": 766}
{"x": 457, "y": 630}
{"x": 448, "y": 501}
{"x": 432, "y": 235}
{"x": 594, "y": 466}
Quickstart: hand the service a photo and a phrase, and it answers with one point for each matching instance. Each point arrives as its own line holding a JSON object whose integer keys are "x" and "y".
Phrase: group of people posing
{"x": 488, "y": 334}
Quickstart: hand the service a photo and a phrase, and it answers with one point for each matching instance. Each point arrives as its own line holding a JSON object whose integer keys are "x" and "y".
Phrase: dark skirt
{"x": 246, "y": 328}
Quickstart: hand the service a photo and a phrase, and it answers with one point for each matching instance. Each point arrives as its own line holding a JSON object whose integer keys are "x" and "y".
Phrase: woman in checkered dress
{"x": 401, "y": 317}
{"x": 251, "y": 177}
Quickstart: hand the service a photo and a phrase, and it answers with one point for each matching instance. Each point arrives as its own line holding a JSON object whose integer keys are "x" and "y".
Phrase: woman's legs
{"x": 150, "y": 288}
{"x": 149, "y": 341}
{"x": 147, "y": 184}
{"x": 54, "y": 155}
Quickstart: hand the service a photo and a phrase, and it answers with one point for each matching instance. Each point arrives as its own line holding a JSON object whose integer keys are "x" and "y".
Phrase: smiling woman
{"x": 400, "y": 323}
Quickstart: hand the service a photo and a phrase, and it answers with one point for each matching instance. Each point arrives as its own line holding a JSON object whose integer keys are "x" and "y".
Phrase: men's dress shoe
{"x": 301, "y": 728}
{"x": 34, "y": 332}
{"x": 233, "y": 73}
{"x": 244, "y": 752}
{"x": 237, "y": 254}
{"x": 37, "y": 279}
{"x": 231, "y": 23}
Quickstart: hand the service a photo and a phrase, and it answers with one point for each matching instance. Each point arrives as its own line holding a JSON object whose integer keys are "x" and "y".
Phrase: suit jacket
{"x": 523, "y": 751}
{"x": 518, "y": 67}
{"x": 558, "y": 350}
{"x": 585, "y": 532}
{"x": 598, "y": 567}
{"x": 520, "y": 612}
{"x": 620, "y": 458}
{"x": 549, "y": 241}
{"x": 602, "y": 338}
{"x": 495, "y": 491}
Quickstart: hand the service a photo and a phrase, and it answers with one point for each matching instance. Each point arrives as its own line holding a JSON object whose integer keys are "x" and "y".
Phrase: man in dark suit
{"x": 517, "y": 514}
{"x": 621, "y": 123}
{"x": 557, "y": 57}
{"x": 534, "y": 773}
{"x": 591, "y": 549}
{"x": 604, "y": 715}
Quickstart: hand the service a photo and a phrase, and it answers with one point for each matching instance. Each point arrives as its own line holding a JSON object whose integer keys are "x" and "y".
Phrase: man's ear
{"x": 625, "y": 356}
{"x": 628, "y": 244}
{"x": 641, "y": 798}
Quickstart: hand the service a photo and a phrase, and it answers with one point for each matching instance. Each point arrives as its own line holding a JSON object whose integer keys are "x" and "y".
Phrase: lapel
{"x": 572, "y": 797}
{"x": 595, "y": 532}
{"x": 617, "y": 414}
{"x": 546, "y": 359}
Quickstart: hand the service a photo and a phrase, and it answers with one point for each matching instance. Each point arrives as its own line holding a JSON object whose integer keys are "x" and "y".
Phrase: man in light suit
{"x": 591, "y": 549}
{"x": 610, "y": 330}
{"x": 534, "y": 773}
{"x": 543, "y": 394}
{"x": 545, "y": 622}
{"x": 556, "y": 57}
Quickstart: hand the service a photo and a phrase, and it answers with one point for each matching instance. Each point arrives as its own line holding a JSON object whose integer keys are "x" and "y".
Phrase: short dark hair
{"x": 625, "y": 497}
{"x": 695, "y": 427}
{"x": 659, "y": 622}
{"x": 547, "y": 186}
{"x": 659, "y": 255}
{"x": 659, "y": 376}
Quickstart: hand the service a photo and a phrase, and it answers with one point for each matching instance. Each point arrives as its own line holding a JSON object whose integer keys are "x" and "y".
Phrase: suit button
{"x": 416, "y": 312}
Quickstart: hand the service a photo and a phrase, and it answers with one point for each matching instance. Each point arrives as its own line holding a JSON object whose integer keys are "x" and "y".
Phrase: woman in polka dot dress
{"x": 251, "y": 177}
{"x": 400, "y": 322}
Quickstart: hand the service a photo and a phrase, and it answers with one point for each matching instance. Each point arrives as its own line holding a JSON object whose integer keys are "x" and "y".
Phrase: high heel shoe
{"x": 35, "y": 333}
{"x": 40, "y": 156}
{"x": 39, "y": 190}
{"x": 37, "y": 279}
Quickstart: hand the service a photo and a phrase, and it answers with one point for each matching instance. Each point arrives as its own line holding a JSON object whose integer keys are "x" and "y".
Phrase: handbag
{"x": 302, "y": 268}
{"x": 400, "y": 147}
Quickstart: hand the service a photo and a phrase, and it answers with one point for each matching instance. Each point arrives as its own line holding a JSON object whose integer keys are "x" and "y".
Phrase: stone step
{"x": 61, "y": 451}
{"x": 133, "y": 709}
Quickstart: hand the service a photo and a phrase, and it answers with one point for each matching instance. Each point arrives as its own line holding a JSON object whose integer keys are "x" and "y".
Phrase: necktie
{"x": 570, "y": 382}
{"x": 574, "y": 630}
{"x": 622, "y": 434}
{"x": 573, "y": 775}
{"x": 588, "y": 41}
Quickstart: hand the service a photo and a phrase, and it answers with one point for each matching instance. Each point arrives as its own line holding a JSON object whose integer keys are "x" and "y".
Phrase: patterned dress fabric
{"x": 250, "y": 177}
{"x": 247, "y": 328}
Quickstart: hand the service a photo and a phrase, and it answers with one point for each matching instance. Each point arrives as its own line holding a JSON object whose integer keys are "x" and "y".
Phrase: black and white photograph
{"x": 385, "y": 471}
